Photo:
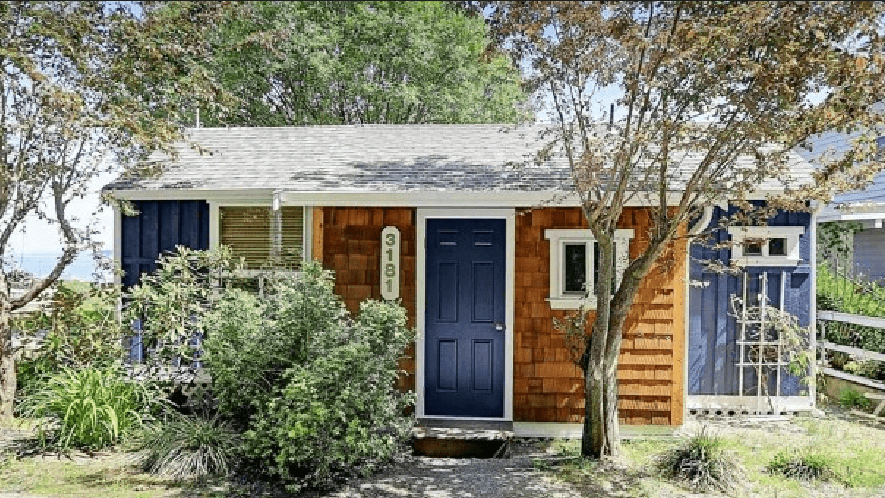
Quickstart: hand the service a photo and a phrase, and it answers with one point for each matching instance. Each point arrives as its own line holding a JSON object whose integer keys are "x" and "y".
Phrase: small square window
{"x": 575, "y": 268}
{"x": 766, "y": 245}
{"x": 753, "y": 248}
{"x": 777, "y": 247}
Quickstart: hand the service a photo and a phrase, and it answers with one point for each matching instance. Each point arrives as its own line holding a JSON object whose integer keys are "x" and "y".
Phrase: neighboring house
{"x": 866, "y": 208}
{"x": 486, "y": 256}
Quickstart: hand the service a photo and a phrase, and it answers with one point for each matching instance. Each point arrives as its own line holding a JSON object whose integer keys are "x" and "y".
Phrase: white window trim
{"x": 558, "y": 238}
{"x": 215, "y": 226}
{"x": 790, "y": 233}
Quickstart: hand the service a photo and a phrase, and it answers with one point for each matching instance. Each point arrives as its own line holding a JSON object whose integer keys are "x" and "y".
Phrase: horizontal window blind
{"x": 251, "y": 233}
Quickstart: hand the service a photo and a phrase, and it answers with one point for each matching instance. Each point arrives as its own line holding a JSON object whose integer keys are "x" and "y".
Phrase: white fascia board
{"x": 825, "y": 217}
{"x": 448, "y": 198}
{"x": 437, "y": 198}
{"x": 249, "y": 196}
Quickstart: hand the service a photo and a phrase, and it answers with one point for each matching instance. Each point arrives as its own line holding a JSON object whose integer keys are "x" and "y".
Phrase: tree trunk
{"x": 601, "y": 431}
{"x": 600, "y": 434}
{"x": 593, "y": 440}
{"x": 7, "y": 367}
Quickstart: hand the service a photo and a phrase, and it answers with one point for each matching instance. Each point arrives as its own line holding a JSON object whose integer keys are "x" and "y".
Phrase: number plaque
{"x": 389, "y": 263}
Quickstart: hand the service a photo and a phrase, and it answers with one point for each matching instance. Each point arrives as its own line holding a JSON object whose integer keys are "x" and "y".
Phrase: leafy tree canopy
{"x": 85, "y": 88}
{"x": 729, "y": 88}
{"x": 328, "y": 63}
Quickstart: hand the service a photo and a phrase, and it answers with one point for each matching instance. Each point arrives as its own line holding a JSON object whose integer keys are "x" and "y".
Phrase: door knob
{"x": 499, "y": 326}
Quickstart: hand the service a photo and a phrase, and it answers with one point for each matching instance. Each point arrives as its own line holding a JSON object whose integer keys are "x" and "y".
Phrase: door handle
{"x": 499, "y": 326}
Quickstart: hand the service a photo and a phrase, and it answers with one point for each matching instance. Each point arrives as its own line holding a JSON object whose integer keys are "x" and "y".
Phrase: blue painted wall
{"x": 159, "y": 227}
{"x": 712, "y": 352}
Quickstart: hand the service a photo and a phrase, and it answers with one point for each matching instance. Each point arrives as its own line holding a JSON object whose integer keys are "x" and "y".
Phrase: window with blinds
{"x": 263, "y": 239}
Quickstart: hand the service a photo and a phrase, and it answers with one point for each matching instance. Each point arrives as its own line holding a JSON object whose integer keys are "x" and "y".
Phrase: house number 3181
{"x": 390, "y": 263}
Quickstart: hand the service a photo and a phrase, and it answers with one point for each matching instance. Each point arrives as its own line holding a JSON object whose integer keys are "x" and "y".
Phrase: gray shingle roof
{"x": 376, "y": 158}
{"x": 837, "y": 144}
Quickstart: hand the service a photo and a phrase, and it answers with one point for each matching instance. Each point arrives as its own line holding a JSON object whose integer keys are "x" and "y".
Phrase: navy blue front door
{"x": 464, "y": 322}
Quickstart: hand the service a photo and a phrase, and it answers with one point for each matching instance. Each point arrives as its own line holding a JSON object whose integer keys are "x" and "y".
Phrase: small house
{"x": 484, "y": 255}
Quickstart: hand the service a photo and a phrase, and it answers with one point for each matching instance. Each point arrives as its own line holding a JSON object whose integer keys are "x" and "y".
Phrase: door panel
{"x": 465, "y": 280}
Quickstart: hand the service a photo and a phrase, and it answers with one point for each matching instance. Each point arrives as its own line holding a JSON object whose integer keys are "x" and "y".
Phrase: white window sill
{"x": 766, "y": 261}
{"x": 571, "y": 303}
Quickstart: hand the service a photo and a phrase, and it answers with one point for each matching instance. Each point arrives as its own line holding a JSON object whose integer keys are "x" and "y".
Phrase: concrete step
{"x": 469, "y": 440}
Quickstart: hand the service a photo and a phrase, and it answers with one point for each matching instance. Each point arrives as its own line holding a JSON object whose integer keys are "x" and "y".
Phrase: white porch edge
{"x": 575, "y": 430}
{"x": 422, "y": 215}
{"x": 749, "y": 403}
{"x": 547, "y": 429}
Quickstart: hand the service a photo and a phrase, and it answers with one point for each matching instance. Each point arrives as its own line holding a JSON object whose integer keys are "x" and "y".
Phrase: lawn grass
{"x": 854, "y": 451}
{"x": 110, "y": 475}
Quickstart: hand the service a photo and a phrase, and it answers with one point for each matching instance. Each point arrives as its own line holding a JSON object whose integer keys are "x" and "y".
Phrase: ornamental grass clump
{"x": 807, "y": 465}
{"x": 88, "y": 409}
{"x": 189, "y": 447}
{"x": 703, "y": 463}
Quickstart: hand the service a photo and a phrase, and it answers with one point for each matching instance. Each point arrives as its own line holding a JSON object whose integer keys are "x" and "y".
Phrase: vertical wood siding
{"x": 712, "y": 353}
{"x": 159, "y": 227}
{"x": 351, "y": 247}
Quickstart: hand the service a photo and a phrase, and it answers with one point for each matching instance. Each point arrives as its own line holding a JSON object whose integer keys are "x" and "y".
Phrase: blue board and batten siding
{"x": 713, "y": 329}
{"x": 158, "y": 228}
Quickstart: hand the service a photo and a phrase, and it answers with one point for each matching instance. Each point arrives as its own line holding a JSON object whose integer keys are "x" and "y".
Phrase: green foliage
{"x": 838, "y": 292}
{"x": 321, "y": 63}
{"x": 81, "y": 330}
{"x": 703, "y": 463}
{"x": 89, "y": 408}
{"x": 835, "y": 241}
{"x": 807, "y": 465}
{"x": 312, "y": 389}
{"x": 852, "y": 398}
{"x": 173, "y": 301}
{"x": 870, "y": 369}
{"x": 186, "y": 447}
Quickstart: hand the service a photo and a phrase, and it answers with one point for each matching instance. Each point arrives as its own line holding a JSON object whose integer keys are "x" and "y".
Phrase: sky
{"x": 39, "y": 237}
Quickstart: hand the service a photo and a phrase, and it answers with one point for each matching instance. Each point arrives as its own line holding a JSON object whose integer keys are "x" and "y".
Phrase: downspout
{"x": 693, "y": 231}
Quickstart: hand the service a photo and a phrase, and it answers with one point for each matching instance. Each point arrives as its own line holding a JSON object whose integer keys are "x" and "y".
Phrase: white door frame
{"x": 509, "y": 215}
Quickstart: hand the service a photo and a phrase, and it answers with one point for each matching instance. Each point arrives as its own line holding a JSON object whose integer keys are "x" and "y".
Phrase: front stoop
{"x": 462, "y": 439}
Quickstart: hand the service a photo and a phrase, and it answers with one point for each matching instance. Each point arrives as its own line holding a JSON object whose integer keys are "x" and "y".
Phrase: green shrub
{"x": 81, "y": 330}
{"x": 312, "y": 389}
{"x": 186, "y": 447}
{"x": 89, "y": 408}
{"x": 806, "y": 465}
{"x": 703, "y": 463}
{"x": 172, "y": 302}
{"x": 852, "y": 398}
{"x": 870, "y": 369}
{"x": 839, "y": 292}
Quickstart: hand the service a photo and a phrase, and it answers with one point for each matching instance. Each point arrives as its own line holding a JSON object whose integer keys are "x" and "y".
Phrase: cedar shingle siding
{"x": 351, "y": 247}
{"x": 548, "y": 387}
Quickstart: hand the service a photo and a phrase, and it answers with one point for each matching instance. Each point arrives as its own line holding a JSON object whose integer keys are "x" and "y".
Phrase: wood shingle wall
{"x": 351, "y": 247}
{"x": 547, "y": 386}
